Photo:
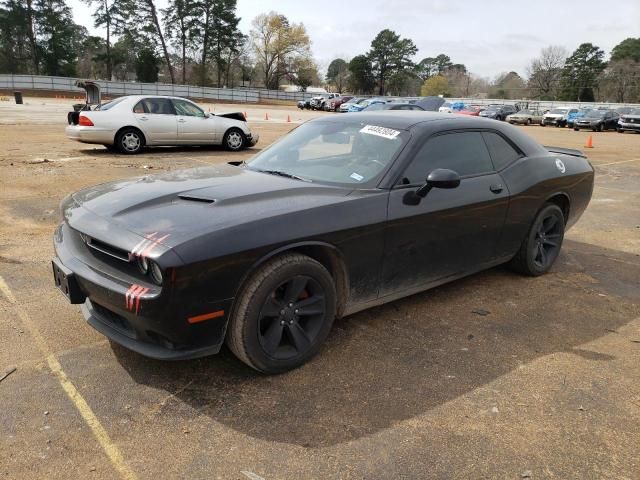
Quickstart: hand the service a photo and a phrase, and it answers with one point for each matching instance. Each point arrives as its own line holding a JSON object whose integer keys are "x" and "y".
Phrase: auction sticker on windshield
{"x": 380, "y": 131}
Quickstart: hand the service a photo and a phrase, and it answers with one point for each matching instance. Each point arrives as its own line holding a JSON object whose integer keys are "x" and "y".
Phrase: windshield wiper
{"x": 284, "y": 174}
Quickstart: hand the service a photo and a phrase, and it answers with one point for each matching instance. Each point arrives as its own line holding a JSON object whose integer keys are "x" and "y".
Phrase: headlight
{"x": 156, "y": 273}
{"x": 66, "y": 206}
{"x": 143, "y": 265}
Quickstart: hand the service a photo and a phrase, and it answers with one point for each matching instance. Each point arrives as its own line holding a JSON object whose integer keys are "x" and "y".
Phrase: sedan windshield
{"x": 559, "y": 111}
{"x": 594, "y": 114}
{"x": 343, "y": 153}
{"x": 375, "y": 106}
{"x": 635, "y": 111}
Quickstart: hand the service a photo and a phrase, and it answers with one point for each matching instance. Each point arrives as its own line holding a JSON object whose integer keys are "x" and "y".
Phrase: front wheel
{"x": 541, "y": 247}
{"x": 283, "y": 314}
{"x": 234, "y": 139}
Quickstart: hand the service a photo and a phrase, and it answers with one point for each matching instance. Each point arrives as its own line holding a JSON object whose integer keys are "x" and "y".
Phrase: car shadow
{"x": 169, "y": 151}
{"x": 397, "y": 361}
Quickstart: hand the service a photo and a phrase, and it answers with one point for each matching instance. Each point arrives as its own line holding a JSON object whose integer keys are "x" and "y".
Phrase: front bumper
{"x": 90, "y": 134}
{"x": 589, "y": 125}
{"x": 253, "y": 138}
{"x": 553, "y": 121}
{"x": 157, "y": 323}
{"x": 630, "y": 127}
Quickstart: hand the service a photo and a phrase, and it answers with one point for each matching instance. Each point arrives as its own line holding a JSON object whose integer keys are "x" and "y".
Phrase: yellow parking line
{"x": 615, "y": 163}
{"x": 72, "y": 392}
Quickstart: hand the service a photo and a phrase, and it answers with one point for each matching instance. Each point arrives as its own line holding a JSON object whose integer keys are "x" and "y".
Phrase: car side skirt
{"x": 355, "y": 308}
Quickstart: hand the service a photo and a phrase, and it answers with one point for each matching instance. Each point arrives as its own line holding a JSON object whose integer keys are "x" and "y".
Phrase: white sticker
{"x": 356, "y": 177}
{"x": 380, "y": 131}
{"x": 560, "y": 165}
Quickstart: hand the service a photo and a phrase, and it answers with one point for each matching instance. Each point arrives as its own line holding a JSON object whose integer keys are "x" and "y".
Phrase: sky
{"x": 488, "y": 36}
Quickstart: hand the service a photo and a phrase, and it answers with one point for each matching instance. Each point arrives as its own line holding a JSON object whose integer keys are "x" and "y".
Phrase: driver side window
{"x": 463, "y": 152}
{"x": 187, "y": 109}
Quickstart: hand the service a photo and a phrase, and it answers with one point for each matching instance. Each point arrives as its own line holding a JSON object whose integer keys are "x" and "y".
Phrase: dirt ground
{"x": 492, "y": 376}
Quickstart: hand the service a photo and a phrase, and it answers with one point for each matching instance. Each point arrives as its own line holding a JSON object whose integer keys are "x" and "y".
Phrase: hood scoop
{"x": 194, "y": 197}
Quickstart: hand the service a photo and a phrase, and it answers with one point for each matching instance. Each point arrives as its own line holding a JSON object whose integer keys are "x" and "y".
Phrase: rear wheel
{"x": 129, "y": 141}
{"x": 541, "y": 247}
{"x": 234, "y": 139}
{"x": 283, "y": 314}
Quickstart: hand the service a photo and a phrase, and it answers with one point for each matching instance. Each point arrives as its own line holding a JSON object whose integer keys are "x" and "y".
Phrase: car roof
{"x": 435, "y": 121}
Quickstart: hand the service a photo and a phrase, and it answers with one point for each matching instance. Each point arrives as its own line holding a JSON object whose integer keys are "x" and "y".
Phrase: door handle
{"x": 182, "y": 120}
{"x": 144, "y": 119}
{"x": 496, "y": 188}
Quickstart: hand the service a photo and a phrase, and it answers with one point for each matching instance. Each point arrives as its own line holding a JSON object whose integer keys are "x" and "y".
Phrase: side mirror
{"x": 438, "y": 178}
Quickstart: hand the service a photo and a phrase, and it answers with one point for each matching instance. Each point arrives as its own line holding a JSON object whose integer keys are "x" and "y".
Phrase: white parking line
{"x": 72, "y": 392}
{"x": 615, "y": 163}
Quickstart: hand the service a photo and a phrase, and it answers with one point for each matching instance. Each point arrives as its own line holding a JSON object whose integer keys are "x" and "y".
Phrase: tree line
{"x": 584, "y": 75}
{"x": 198, "y": 42}
{"x": 191, "y": 42}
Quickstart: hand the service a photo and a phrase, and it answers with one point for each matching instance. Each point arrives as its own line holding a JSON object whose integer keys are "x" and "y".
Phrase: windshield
{"x": 635, "y": 111}
{"x": 594, "y": 114}
{"x": 492, "y": 108}
{"x": 375, "y": 106}
{"x": 525, "y": 112}
{"x": 559, "y": 111}
{"x": 344, "y": 153}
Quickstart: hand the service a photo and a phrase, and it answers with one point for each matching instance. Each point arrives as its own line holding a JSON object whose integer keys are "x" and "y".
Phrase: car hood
{"x": 629, "y": 117}
{"x": 182, "y": 205}
{"x": 554, "y": 115}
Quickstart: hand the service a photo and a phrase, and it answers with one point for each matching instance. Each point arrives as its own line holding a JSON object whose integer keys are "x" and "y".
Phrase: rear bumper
{"x": 90, "y": 134}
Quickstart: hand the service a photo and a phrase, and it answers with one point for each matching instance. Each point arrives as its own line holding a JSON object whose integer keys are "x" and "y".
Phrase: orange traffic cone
{"x": 288, "y": 118}
{"x": 589, "y": 142}
{"x": 266, "y": 116}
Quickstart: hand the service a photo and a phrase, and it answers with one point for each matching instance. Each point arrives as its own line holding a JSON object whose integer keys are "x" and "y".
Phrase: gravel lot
{"x": 493, "y": 376}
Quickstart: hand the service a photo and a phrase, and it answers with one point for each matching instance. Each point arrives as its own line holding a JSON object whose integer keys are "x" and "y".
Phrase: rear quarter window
{"x": 502, "y": 152}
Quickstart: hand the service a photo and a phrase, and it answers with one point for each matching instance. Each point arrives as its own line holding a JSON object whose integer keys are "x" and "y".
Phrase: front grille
{"x": 105, "y": 248}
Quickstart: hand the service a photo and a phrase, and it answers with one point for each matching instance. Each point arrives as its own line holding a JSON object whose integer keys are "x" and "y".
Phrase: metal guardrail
{"x": 116, "y": 89}
{"x": 237, "y": 95}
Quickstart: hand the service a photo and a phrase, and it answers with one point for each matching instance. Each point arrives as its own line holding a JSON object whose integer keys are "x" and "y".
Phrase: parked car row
{"x": 598, "y": 119}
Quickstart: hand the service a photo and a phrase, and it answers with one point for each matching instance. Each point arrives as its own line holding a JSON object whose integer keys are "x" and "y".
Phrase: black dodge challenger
{"x": 341, "y": 214}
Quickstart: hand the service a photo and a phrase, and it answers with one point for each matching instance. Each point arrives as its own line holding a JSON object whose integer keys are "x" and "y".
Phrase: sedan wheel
{"x": 284, "y": 314}
{"x": 234, "y": 140}
{"x": 541, "y": 247}
{"x": 130, "y": 141}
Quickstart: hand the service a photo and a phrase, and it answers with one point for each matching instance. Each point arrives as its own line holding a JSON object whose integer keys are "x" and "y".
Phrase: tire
{"x": 542, "y": 124}
{"x": 542, "y": 244}
{"x": 129, "y": 141}
{"x": 266, "y": 330}
{"x": 601, "y": 127}
{"x": 234, "y": 140}
{"x": 576, "y": 129}
{"x": 620, "y": 130}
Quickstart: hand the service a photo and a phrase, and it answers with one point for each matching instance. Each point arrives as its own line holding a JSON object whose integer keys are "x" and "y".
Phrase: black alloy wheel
{"x": 291, "y": 317}
{"x": 548, "y": 238}
{"x": 282, "y": 314}
{"x": 541, "y": 247}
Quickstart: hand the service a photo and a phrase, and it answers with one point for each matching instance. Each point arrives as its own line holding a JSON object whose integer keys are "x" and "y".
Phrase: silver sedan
{"x": 129, "y": 123}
